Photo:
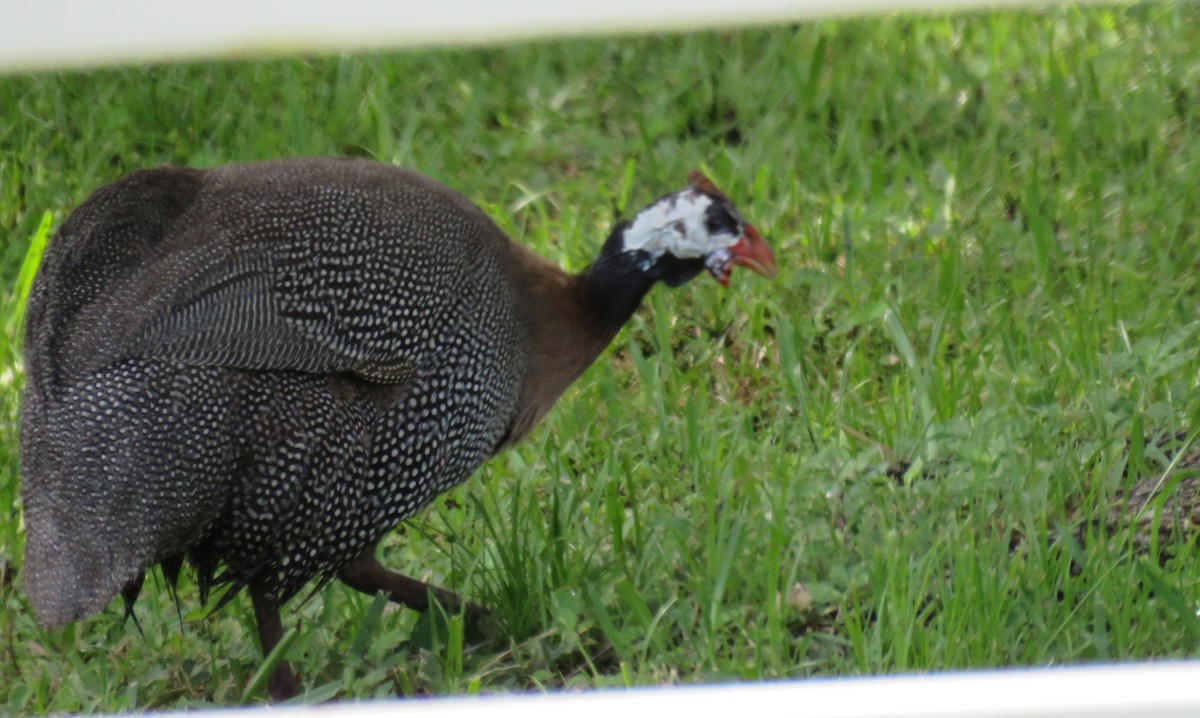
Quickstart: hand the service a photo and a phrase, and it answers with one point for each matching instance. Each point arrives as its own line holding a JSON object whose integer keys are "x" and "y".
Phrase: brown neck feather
{"x": 573, "y": 319}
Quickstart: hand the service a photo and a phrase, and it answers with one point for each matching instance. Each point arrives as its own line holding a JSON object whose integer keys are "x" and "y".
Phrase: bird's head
{"x": 683, "y": 233}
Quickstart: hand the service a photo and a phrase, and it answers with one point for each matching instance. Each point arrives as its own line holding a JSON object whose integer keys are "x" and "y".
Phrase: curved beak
{"x": 753, "y": 253}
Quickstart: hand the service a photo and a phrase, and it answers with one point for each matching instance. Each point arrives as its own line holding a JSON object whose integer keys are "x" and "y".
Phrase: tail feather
{"x": 110, "y": 488}
{"x": 170, "y": 567}
{"x": 130, "y": 593}
{"x": 64, "y": 580}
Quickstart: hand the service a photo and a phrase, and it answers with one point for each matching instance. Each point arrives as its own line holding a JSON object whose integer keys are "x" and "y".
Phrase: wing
{"x": 313, "y": 268}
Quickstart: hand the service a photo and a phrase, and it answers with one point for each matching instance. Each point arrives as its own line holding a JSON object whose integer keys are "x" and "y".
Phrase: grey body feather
{"x": 261, "y": 368}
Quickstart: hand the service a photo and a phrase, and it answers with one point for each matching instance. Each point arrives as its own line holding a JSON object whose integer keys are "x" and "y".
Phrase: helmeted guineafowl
{"x": 262, "y": 368}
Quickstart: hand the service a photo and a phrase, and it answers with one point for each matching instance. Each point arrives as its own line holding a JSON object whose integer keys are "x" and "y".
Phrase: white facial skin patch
{"x": 675, "y": 225}
{"x": 720, "y": 261}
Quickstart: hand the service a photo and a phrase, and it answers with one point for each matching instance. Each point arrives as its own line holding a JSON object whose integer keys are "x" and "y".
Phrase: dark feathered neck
{"x": 612, "y": 288}
{"x": 572, "y": 319}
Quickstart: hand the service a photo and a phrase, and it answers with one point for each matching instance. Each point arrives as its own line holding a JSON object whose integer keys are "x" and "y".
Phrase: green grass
{"x": 899, "y": 456}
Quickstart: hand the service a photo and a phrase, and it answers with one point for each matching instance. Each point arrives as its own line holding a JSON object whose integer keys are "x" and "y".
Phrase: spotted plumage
{"x": 261, "y": 369}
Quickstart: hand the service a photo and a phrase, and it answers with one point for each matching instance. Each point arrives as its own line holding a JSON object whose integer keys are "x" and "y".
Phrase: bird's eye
{"x": 718, "y": 220}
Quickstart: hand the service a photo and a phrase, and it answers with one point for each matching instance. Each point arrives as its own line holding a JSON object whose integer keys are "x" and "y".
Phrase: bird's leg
{"x": 366, "y": 574}
{"x": 282, "y": 684}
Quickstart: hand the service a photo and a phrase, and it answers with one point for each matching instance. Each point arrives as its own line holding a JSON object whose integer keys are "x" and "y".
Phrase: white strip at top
{"x": 46, "y": 34}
